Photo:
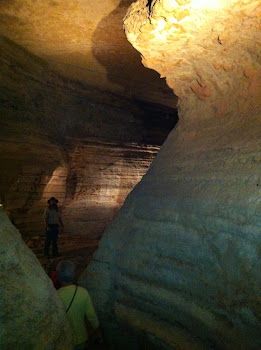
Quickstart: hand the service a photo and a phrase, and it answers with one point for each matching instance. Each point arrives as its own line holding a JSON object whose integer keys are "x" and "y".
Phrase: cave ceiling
{"x": 84, "y": 41}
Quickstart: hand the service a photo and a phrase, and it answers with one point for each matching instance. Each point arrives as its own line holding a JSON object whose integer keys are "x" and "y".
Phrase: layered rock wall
{"x": 179, "y": 266}
{"x": 90, "y": 178}
{"x": 35, "y": 101}
{"x": 61, "y": 138}
{"x": 100, "y": 177}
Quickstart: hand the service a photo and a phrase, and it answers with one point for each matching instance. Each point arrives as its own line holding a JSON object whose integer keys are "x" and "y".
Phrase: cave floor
{"x": 76, "y": 248}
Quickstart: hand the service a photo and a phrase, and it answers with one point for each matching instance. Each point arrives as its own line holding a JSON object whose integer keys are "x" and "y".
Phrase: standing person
{"x": 78, "y": 305}
{"x": 52, "y": 220}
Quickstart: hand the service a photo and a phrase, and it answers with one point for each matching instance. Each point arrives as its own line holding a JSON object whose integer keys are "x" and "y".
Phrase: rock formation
{"x": 59, "y": 137}
{"x": 84, "y": 41}
{"x": 32, "y": 315}
{"x": 179, "y": 267}
{"x": 91, "y": 178}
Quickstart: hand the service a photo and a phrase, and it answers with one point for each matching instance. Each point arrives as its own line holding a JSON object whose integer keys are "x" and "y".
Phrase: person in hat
{"x": 52, "y": 220}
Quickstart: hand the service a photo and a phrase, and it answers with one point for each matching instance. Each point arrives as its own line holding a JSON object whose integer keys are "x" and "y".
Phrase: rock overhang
{"x": 84, "y": 41}
{"x": 208, "y": 51}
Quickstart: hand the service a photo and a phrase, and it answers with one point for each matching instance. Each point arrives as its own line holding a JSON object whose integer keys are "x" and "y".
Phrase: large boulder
{"x": 32, "y": 316}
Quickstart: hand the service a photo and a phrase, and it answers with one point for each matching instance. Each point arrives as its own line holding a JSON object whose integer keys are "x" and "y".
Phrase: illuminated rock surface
{"x": 91, "y": 178}
{"x": 32, "y": 315}
{"x": 179, "y": 268}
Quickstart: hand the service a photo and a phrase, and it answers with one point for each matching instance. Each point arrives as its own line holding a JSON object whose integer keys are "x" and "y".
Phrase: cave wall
{"x": 32, "y": 315}
{"x": 179, "y": 267}
{"x": 90, "y": 178}
{"x": 59, "y": 137}
{"x": 84, "y": 41}
{"x": 101, "y": 176}
{"x": 35, "y": 100}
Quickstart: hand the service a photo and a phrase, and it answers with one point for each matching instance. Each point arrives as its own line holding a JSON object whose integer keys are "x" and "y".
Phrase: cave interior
{"x": 144, "y": 120}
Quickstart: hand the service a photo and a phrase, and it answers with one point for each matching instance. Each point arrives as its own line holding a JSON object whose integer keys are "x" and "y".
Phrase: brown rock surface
{"x": 101, "y": 176}
{"x": 179, "y": 267}
{"x": 83, "y": 40}
{"x": 58, "y": 137}
{"x": 91, "y": 179}
{"x": 32, "y": 314}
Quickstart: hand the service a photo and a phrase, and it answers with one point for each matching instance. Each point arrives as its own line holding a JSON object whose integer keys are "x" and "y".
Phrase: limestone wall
{"x": 84, "y": 41}
{"x": 179, "y": 268}
{"x": 32, "y": 315}
{"x": 90, "y": 178}
{"x": 59, "y": 137}
{"x": 100, "y": 177}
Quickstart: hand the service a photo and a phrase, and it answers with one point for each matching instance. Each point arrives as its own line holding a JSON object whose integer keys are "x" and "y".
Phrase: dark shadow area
{"x": 26, "y": 167}
{"x": 157, "y": 120}
{"x": 123, "y": 63}
{"x": 36, "y": 101}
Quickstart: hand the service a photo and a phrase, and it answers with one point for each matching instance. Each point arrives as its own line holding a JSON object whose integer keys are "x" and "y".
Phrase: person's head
{"x": 52, "y": 202}
{"x": 66, "y": 272}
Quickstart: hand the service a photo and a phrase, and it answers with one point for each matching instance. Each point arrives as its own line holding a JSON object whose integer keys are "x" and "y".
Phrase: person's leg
{"x": 54, "y": 246}
{"x": 47, "y": 244}
{"x": 81, "y": 346}
{"x": 55, "y": 232}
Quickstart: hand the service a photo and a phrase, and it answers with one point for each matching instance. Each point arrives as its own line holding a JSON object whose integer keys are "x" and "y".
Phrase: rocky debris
{"x": 179, "y": 267}
{"x": 32, "y": 314}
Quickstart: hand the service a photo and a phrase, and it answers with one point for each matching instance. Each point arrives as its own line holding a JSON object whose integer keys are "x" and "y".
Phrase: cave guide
{"x": 53, "y": 223}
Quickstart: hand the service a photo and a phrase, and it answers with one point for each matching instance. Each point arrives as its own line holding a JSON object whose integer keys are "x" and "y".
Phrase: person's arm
{"x": 61, "y": 222}
{"x": 93, "y": 321}
{"x": 90, "y": 312}
{"x": 46, "y": 219}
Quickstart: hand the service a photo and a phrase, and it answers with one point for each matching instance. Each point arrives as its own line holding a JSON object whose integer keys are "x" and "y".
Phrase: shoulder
{"x": 67, "y": 290}
{"x": 83, "y": 292}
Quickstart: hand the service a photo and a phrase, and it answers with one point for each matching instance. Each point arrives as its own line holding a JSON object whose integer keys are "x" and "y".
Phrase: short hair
{"x": 65, "y": 271}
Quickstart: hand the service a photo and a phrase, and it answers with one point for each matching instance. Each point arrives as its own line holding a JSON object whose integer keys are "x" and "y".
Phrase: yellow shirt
{"x": 80, "y": 310}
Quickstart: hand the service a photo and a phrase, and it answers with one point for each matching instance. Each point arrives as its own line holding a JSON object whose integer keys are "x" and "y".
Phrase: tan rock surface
{"x": 83, "y": 40}
{"x": 90, "y": 178}
{"x": 32, "y": 314}
{"x": 179, "y": 267}
{"x": 85, "y": 146}
{"x": 101, "y": 176}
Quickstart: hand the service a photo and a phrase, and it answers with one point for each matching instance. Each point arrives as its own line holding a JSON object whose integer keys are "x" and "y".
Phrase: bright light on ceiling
{"x": 207, "y": 4}
{"x": 161, "y": 25}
